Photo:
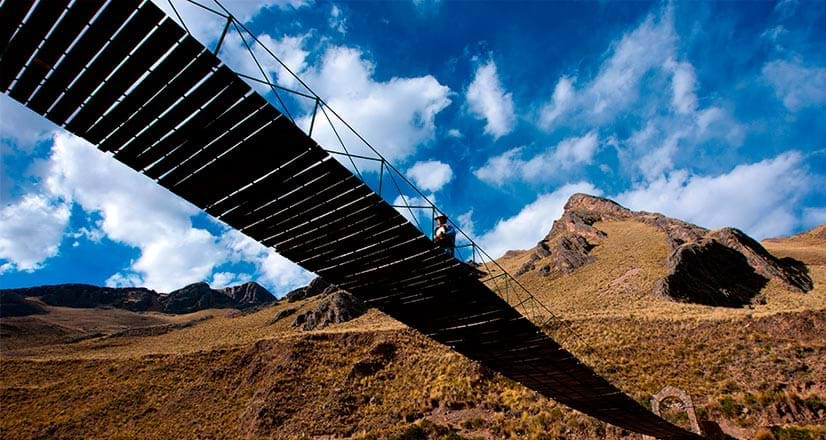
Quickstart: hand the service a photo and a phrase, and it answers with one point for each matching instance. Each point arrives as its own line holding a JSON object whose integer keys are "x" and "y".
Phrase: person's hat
{"x": 441, "y": 217}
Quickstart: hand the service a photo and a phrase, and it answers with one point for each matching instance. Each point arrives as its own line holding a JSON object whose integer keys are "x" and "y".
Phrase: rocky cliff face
{"x": 192, "y": 298}
{"x": 724, "y": 267}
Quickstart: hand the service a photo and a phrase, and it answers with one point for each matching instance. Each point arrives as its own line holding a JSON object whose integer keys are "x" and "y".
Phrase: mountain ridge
{"x": 188, "y": 299}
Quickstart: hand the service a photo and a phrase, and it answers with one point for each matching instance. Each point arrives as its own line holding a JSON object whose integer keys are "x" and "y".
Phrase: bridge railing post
{"x": 220, "y": 43}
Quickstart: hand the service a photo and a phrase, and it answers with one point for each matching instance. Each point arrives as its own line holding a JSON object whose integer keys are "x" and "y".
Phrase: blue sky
{"x": 498, "y": 111}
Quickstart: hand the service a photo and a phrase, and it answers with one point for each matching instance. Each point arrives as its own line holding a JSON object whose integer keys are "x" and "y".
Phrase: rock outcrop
{"x": 723, "y": 267}
{"x": 335, "y": 308}
{"x": 318, "y": 286}
{"x": 250, "y": 294}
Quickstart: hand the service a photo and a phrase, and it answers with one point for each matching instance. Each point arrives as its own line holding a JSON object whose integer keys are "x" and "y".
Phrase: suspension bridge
{"x": 133, "y": 81}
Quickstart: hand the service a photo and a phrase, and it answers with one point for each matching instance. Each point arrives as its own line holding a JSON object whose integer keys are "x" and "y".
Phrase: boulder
{"x": 334, "y": 308}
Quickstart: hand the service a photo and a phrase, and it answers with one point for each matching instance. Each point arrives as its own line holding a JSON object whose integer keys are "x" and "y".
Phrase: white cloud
{"x": 455, "y": 133}
{"x": 430, "y": 175}
{"x": 759, "y": 198}
{"x": 31, "y": 230}
{"x": 533, "y": 222}
{"x": 643, "y": 78}
{"x": 562, "y": 98}
{"x": 94, "y": 234}
{"x": 289, "y": 49}
{"x": 337, "y": 21}
{"x": 224, "y": 279}
{"x": 488, "y": 100}
{"x": 542, "y": 167}
{"x": 135, "y": 211}
{"x": 683, "y": 84}
{"x": 395, "y": 116}
{"x": 419, "y": 217}
{"x": 796, "y": 85}
{"x": 21, "y": 128}
{"x": 125, "y": 279}
{"x": 649, "y": 47}
{"x": 272, "y": 269}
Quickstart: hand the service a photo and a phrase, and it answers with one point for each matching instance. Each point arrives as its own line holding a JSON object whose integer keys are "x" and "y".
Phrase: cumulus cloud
{"x": 566, "y": 155}
{"x": 533, "y": 222}
{"x": 798, "y": 86}
{"x": 395, "y": 116}
{"x": 272, "y": 268}
{"x": 488, "y": 100}
{"x": 289, "y": 49}
{"x": 759, "y": 198}
{"x": 31, "y": 230}
{"x": 134, "y": 211}
{"x": 20, "y": 128}
{"x": 430, "y": 175}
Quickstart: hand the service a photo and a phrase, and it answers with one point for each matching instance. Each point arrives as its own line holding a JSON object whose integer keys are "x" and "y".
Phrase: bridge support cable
{"x": 164, "y": 104}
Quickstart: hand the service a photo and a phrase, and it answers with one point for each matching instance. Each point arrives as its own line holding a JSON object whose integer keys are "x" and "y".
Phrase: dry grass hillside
{"x": 103, "y": 373}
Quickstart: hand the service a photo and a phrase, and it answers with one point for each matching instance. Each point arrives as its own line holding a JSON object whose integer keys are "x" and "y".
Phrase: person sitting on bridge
{"x": 445, "y": 235}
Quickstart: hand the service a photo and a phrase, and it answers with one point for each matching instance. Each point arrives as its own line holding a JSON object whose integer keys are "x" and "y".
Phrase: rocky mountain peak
{"x": 248, "y": 294}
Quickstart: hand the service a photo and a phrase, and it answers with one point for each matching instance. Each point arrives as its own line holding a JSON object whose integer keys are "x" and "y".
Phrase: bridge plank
{"x": 12, "y": 14}
{"x": 63, "y": 35}
{"x": 200, "y": 69}
{"x": 141, "y": 24}
{"x": 202, "y": 147}
{"x": 212, "y": 87}
{"x": 182, "y": 55}
{"x": 230, "y": 141}
{"x": 199, "y": 122}
{"x": 149, "y": 52}
{"x": 24, "y": 43}
{"x": 88, "y": 45}
{"x": 303, "y": 177}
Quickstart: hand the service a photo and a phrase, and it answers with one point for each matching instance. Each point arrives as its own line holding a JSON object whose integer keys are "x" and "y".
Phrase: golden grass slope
{"x": 633, "y": 257}
{"x": 225, "y": 374}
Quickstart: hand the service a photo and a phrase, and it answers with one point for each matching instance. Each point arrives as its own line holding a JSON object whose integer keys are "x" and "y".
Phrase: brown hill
{"x": 680, "y": 261}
